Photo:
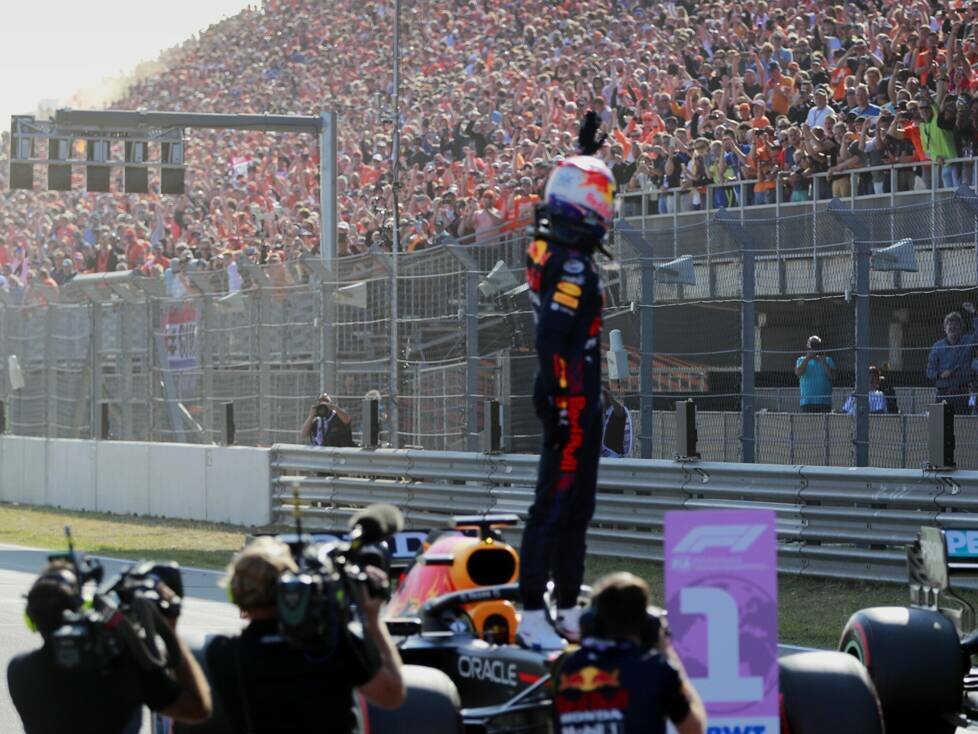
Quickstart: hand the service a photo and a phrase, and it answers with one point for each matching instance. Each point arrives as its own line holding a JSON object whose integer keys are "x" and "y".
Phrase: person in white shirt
{"x": 821, "y": 110}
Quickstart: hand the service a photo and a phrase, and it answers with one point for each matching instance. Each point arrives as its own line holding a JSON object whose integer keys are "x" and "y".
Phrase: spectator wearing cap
{"x": 64, "y": 271}
{"x": 818, "y": 114}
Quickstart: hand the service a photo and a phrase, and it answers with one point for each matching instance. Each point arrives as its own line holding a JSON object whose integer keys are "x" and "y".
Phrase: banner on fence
{"x": 721, "y": 594}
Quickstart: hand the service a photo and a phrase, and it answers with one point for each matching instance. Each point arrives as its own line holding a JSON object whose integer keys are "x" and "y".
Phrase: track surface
{"x": 205, "y": 609}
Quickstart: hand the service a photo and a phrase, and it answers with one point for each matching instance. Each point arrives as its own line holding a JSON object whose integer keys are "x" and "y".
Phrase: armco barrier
{"x": 834, "y": 522}
{"x": 219, "y": 484}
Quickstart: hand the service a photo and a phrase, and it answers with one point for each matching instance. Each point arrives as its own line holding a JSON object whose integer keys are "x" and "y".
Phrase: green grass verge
{"x": 812, "y": 611}
{"x": 204, "y": 545}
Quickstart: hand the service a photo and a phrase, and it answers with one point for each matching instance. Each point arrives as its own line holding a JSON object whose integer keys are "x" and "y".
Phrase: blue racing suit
{"x": 567, "y": 298}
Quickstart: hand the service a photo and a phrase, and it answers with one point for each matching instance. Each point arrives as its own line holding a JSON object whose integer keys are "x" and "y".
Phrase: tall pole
{"x": 327, "y": 187}
{"x": 647, "y": 361}
{"x": 747, "y": 355}
{"x": 396, "y": 245}
{"x": 863, "y": 254}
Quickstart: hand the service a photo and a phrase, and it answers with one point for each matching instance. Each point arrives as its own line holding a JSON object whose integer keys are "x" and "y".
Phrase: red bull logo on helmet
{"x": 585, "y": 183}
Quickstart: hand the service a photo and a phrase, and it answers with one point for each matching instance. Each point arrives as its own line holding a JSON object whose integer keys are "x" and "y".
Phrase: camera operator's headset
{"x": 652, "y": 630}
{"x": 62, "y": 577}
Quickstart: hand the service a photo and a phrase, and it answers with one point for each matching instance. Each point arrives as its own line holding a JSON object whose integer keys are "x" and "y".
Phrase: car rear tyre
{"x": 432, "y": 704}
{"x": 828, "y": 693}
{"x": 915, "y": 660}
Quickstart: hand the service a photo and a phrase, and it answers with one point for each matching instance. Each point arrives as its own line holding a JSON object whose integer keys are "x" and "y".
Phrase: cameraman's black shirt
{"x": 616, "y": 688}
{"x": 288, "y": 690}
{"x": 54, "y": 701}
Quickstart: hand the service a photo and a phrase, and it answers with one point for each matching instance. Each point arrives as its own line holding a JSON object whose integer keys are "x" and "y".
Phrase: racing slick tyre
{"x": 432, "y": 705}
{"x": 915, "y": 660}
{"x": 827, "y": 693}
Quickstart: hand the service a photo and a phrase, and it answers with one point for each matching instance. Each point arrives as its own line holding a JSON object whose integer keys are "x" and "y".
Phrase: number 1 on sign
{"x": 723, "y": 681}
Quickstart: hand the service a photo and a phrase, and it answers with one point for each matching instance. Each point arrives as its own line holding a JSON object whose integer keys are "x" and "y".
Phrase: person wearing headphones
{"x": 95, "y": 697}
{"x": 625, "y": 678}
{"x": 267, "y": 686}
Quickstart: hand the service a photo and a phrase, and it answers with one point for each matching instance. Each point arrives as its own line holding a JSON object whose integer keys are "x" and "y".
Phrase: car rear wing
{"x": 934, "y": 559}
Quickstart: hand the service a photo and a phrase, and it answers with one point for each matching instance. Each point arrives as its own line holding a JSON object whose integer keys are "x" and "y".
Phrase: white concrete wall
{"x": 214, "y": 483}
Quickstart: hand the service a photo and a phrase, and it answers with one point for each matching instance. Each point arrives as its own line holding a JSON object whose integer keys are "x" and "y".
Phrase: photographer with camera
{"x": 294, "y": 667}
{"x": 326, "y": 425}
{"x": 815, "y": 371}
{"x": 95, "y": 669}
{"x": 625, "y": 678}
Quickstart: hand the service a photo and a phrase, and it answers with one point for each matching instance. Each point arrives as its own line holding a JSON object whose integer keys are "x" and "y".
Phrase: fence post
{"x": 647, "y": 363}
{"x": 328, "y": 331}
{"x": 747, "y": 346}
{"x": 472, "y": 360}
{"x": 96, "y": 371}
{"x": 264, "y": 373}
{"x": 229, "y": 427}
{"x": 862, "y": 253}
{"x": 150, "y": 372}
{"x": 50, "y": 375}
{"x": 208, "y": 416}
{"x": 126, "y": 366}
{"x": 394, "y": 412}
{"x": 935, "y": 255}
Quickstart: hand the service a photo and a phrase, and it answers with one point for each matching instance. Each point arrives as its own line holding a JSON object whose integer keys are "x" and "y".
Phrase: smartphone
{"x": 496, "y": 117}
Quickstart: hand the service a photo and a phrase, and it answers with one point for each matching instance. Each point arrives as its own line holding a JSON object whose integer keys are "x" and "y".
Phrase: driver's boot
{"x": 537, "y": 633}
{"x": 568, "y": 623}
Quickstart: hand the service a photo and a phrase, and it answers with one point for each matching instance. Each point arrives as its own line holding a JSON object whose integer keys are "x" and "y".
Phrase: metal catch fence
{"x": 713, "y": 307}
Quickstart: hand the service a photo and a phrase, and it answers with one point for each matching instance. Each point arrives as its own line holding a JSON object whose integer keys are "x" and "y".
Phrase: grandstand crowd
{"x": 787, "y": 95}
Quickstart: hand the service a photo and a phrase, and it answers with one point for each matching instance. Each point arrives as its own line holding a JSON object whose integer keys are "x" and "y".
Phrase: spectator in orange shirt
{"x": 136, "y": 249}
{"x": 520, "y": 211}
{"x": 779, "y": 89}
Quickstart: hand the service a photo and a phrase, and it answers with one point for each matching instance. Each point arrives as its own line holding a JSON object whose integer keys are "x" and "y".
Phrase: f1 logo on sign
{"x": 737, "y": 538}
{"x": 721, "y": 593}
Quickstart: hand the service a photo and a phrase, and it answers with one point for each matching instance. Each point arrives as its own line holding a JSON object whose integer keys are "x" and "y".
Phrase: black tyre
{"x": 828, "y": 693}
{"x": 432, "y": 705}
{"x": 915, "y": 660}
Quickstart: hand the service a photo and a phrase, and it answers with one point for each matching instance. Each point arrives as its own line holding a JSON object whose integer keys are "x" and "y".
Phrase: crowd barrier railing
{"x": 960, "y": 171}
{"x": 832, "y": 522}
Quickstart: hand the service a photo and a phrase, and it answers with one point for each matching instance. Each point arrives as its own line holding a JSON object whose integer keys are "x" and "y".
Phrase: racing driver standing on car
{"x": 566, "y": 291}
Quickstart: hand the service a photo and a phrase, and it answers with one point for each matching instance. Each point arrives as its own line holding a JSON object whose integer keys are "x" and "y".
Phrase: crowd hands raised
{"x": 692, "y": 94}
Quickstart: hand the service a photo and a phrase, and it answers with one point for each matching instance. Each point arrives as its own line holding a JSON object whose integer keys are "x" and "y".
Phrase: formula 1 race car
{"x": 454, "y": 610}
{"x": 919, "y": 657}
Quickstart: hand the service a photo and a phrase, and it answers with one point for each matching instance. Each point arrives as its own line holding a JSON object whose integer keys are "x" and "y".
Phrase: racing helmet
{"x": 579, "y": 200}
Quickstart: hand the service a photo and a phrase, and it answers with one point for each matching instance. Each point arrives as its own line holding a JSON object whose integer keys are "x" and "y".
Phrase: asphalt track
{"x": 205, "y": 609}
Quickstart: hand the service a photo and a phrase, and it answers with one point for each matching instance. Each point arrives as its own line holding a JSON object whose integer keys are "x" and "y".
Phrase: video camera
{"x": 126, "y": 615}
{"x": 316, "y": 604}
